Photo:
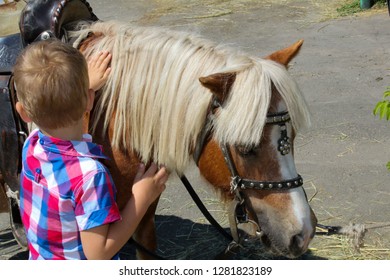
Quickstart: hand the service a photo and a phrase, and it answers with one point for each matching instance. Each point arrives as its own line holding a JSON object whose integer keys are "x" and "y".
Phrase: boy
{"x": 67, "y": 198}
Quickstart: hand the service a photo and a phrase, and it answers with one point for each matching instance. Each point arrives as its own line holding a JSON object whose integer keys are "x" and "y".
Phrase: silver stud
{"x": 252, "y": 185}
{"x": 296, "y": 183}
{"x": 45, "y": 35}
{"x": 270, "y": 186}
{"x": 261, "y": 185}
{"x": 280, "y": 186}
{"x": 288, "y": 184}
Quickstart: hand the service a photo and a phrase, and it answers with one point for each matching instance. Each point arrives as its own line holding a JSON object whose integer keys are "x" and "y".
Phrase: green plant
{"x": 351, "y": 7}
{"x": 382, "y": 109}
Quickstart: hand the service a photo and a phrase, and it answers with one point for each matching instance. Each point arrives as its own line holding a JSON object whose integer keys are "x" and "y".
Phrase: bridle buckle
{"x": 235, "y": 184}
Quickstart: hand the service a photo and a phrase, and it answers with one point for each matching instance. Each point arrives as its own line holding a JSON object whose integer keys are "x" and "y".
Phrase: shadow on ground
{"x": 184, "y": 239}
{"x": 177, "y": 238}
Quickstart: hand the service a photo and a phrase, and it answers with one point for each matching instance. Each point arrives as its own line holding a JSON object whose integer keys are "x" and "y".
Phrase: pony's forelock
{"x": 243, "y": 117}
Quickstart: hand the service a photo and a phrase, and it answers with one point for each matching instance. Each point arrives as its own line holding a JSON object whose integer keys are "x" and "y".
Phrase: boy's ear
{"x": 91, "y": 98}
{"x": 20, "y": 109}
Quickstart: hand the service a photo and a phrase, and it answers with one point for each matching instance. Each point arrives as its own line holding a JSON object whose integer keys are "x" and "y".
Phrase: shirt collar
{"x": 83, "y": 148}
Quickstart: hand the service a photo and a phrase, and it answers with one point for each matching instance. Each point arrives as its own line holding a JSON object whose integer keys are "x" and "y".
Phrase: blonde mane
{"x": 158, "y": 104}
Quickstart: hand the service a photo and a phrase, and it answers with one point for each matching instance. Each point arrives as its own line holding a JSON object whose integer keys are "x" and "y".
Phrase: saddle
{"x": 44, "y": 19}
{"x": 39, "y": 20}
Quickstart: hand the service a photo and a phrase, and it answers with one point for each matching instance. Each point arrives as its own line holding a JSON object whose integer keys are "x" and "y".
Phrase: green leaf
{"x": 388, "y": 111}
{"x": 378, "y": 107}
{"x": 383, "y": 112}
{"x": 386, "y": 94}
{"x": 388, "y": 165}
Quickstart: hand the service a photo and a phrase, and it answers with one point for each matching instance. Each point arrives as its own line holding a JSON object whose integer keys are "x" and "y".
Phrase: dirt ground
{"x": 343, "y": 70}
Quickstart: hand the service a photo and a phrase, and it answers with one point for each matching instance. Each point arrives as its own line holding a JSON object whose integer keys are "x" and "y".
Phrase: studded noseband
{"x": 238, "y": 183}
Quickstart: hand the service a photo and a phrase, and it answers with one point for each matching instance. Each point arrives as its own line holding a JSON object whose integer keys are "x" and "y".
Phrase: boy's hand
{"x": 98, "y": 69}
{"x": 103, "y": 242}
{"x": 149, "y": 184}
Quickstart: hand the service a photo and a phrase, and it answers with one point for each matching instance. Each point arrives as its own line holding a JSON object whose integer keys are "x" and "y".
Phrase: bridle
{"x": 238, "y": 213}
{"x": 237, "y": 183}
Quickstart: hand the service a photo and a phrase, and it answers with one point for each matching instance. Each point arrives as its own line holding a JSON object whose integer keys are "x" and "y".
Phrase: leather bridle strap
{"x": 238, "y": 183}
{"x": 234, "y": 242}
{"x": 203, "y": 209}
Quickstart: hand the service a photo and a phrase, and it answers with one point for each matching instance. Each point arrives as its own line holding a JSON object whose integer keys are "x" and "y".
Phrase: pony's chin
{"x": 278, "y": 251}
{"x": 254, "y": 239}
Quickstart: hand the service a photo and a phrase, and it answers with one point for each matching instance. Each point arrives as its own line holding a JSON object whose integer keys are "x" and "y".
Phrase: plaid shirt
{"x": 64, "y": 190}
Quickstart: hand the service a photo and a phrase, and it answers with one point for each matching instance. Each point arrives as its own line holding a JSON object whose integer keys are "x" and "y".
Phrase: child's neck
{"x": 70, "y": 133}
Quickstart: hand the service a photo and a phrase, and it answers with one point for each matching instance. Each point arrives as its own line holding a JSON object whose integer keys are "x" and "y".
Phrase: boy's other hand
{"x": 149, "y": 183}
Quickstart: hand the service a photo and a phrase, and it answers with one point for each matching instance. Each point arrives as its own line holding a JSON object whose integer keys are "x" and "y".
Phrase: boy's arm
{"x": 98, "y": 69}
{"x": 103, "y": 242}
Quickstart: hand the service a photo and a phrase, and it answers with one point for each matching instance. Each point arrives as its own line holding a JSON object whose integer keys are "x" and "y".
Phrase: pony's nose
{"x": 298, "y": 245}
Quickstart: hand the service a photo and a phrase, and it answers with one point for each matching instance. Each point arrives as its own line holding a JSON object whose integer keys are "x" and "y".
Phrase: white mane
{"x": 158, "y": 104}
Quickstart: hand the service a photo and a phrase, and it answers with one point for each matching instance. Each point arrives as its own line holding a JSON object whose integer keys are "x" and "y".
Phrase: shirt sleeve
{"x": 95, "y": 204}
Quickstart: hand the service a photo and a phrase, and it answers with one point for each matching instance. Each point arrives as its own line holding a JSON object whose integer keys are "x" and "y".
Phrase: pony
{"x": 166, "y": 86}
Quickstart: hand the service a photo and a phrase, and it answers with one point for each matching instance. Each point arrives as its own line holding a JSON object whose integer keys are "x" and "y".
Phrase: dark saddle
{"x": 39, "y": 20}
{"x": 44, "y": 19}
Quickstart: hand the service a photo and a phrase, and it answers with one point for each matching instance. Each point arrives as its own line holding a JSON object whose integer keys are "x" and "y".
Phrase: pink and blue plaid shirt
{"x": 64, "y": 190}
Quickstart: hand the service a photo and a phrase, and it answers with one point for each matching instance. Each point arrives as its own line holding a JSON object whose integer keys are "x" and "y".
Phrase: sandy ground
{"x": 343, "y": 70}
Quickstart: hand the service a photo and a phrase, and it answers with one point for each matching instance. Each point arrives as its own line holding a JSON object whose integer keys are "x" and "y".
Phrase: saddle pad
{"x": 10, "y": 47}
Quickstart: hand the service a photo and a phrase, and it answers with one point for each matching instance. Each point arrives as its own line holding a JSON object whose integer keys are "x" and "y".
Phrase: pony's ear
{"x": 284, "y": 56}
{"x": 219, "y": 84}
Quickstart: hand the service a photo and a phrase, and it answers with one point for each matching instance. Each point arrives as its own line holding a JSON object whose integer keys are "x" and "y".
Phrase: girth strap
{"x": 13, "y": 132}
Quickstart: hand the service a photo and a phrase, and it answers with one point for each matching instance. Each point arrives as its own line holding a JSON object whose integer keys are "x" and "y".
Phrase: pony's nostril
{"x": 297, "y": 245}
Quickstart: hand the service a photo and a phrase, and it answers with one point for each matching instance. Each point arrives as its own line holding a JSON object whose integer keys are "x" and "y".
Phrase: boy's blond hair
{"x": 51, "y": 80}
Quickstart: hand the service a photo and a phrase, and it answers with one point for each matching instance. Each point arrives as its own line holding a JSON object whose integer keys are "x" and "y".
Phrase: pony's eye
{"x": 246, "y": 150}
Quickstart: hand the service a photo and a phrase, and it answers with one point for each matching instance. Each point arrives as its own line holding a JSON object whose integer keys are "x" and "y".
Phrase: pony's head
{"x": 257, "y": 114}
